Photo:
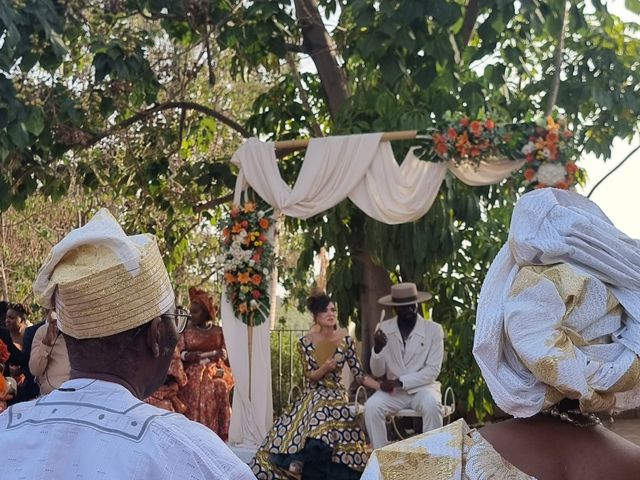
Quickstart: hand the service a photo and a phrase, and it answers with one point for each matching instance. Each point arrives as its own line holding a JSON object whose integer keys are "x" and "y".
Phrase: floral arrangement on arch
{"x": 547, "y": 152}
{"x": 547, "y": 148}
{"x": 247, "y": 259}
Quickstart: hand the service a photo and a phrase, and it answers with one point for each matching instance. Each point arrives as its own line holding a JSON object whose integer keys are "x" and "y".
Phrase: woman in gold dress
{"x": 204, "y": 355}
{"x": 319, "y": 437}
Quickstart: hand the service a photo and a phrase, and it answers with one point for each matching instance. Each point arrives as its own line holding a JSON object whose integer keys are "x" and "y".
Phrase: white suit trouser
{"x": 426, "y": 402}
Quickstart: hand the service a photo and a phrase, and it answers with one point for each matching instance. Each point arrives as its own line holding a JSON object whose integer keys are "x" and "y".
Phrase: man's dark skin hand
{"x": 407, "y": 317}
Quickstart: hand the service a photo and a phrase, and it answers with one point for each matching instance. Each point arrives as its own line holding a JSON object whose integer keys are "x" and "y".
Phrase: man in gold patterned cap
{"x": 116, "y": 311}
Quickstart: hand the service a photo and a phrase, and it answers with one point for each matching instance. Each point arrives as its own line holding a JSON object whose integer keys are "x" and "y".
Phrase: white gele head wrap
{"x": 102, "y": 282}
{"x": 559, "y": 311}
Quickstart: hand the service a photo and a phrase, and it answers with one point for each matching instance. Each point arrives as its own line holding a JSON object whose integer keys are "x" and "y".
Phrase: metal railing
{"x": 286, "y": 369}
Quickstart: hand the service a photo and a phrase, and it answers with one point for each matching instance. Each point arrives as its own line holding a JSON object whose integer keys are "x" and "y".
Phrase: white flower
{"x": 243, "y": 233}
{"x": 265, "y": 271}
{"x": 528, "y": 148}
{"x": 253, "y": 304}
{"x": 260, "y": 214}
{"x": 251, "y": 263}
{"x": 546, "y": 152}
{"x": 550, "y": 173}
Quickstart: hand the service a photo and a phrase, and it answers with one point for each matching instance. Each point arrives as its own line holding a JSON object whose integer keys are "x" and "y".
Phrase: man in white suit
{"x": 407, "y": 352}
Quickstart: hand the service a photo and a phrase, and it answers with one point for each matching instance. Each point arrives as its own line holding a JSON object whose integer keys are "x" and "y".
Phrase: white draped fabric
{"x": 359, "y": 167}
{"x": 252, "y": 413}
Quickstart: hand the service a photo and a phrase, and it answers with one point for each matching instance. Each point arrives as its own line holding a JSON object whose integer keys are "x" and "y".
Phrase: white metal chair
{"x": 447, "y": 409}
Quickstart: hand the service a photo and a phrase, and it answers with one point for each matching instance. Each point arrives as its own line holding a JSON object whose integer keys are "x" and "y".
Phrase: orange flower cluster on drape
{"x": 548, "y": 164}
{"x": 247, "y": 259}
{"x": 547, "y": 148}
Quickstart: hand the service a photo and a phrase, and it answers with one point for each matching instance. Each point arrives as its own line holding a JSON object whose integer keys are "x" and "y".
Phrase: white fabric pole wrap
{"x": 360, "y": 167}
{"x": 251, "y": 419}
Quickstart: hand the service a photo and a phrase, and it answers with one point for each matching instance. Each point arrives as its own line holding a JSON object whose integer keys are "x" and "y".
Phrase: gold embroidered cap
{"x": 404, "y": 294}
{"x": 102, "y": 282}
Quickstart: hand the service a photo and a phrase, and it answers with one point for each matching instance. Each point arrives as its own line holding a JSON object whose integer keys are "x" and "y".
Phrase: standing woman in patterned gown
{"x": 318, "y": 437}
{"x": 204, "y": 355}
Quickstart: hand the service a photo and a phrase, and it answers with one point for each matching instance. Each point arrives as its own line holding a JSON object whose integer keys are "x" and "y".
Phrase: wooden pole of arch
{"x": 301, "y": 144}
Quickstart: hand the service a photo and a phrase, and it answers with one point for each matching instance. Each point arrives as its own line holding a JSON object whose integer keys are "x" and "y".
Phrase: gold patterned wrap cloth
{"x": 322, "y": 413}
{"x": 559, "y": 311}
{"x": 453, "y": 452}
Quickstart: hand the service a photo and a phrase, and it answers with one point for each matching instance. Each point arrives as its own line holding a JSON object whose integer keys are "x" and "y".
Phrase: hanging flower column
{"x": 247, "y": 259}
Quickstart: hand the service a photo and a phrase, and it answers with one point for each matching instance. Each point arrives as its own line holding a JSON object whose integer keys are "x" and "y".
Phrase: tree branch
{"x": 468, "y": 24}
{"x": 319, "y": 44}
{"x": 552, "y": 97}
{"x": 96, "y": 137}
{"x": 315, "y": 127}
{"x": 214, "y": 202}
{"x": 613, "y": 170}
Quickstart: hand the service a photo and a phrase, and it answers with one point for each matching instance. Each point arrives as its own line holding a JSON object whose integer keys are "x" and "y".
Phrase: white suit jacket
{"x": 417, "y": 365}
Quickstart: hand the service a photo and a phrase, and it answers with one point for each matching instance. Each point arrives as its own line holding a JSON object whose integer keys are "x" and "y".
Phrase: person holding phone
{"x": 49, "y": 360}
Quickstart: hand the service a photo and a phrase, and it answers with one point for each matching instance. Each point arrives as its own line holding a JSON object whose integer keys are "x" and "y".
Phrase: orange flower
{"x": 242, "y": 308}
{"x": 464, "y": 122}
{"x": 475, "y": 151}
{"x": 562, "y": 185}
{"x": 451, "y": 133}
{"x": 571, "y": 168}
{"x": 236, "y": 228}
{"x": 243, "y": 277}
{"x": 567, "y": 134}
{"x": 476, "y": 128}
{"x": 541, "y": 185}
{"x": 552, "y": 136}
{"x": 256, "y": 279}
{"x": 551, "y": 125}
{"x": 441, "y": 149}
{"x": 490, "y": 124}
{"x": 229, "y": 277}
{"x": 234, "y": 211}
{"x": 529, "y": 173}
{"x": 249, "y": 207}
{"x": 264, "y": 223}
{"x": 225, "y": 232}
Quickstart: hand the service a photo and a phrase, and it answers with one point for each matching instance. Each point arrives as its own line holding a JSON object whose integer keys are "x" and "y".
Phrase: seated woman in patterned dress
{"x": 204, "y": 356}
{"x": 319, "y": 437}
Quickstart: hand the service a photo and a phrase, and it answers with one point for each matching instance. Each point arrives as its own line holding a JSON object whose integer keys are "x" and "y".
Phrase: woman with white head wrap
{"x": 558, "y": 340}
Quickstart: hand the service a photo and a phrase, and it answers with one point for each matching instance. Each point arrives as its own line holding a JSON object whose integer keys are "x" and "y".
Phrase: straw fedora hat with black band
{"x": 404, "y": 294}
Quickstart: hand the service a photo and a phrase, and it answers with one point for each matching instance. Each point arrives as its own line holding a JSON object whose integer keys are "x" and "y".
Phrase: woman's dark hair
{"x": 318, "y": 301}
{"x": 22, "y": 310}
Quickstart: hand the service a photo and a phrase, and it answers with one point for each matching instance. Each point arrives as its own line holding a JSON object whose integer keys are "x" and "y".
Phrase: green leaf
{"x": 18, "y": 134}
{"x": 633, "y": 5}
{"x": 35, "y": 121}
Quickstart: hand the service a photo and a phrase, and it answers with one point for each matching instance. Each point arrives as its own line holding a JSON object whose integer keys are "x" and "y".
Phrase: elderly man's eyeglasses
{"x": 180, "y": 317}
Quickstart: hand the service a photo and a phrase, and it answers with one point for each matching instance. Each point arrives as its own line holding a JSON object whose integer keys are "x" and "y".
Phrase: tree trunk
{"x": 318, "y": 44}
{"x": 3, "y": 273}
{"x": 375, "y": 283}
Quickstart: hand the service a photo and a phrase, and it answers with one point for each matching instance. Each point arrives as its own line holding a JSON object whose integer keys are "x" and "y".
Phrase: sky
{"x": 619, "y": 195}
